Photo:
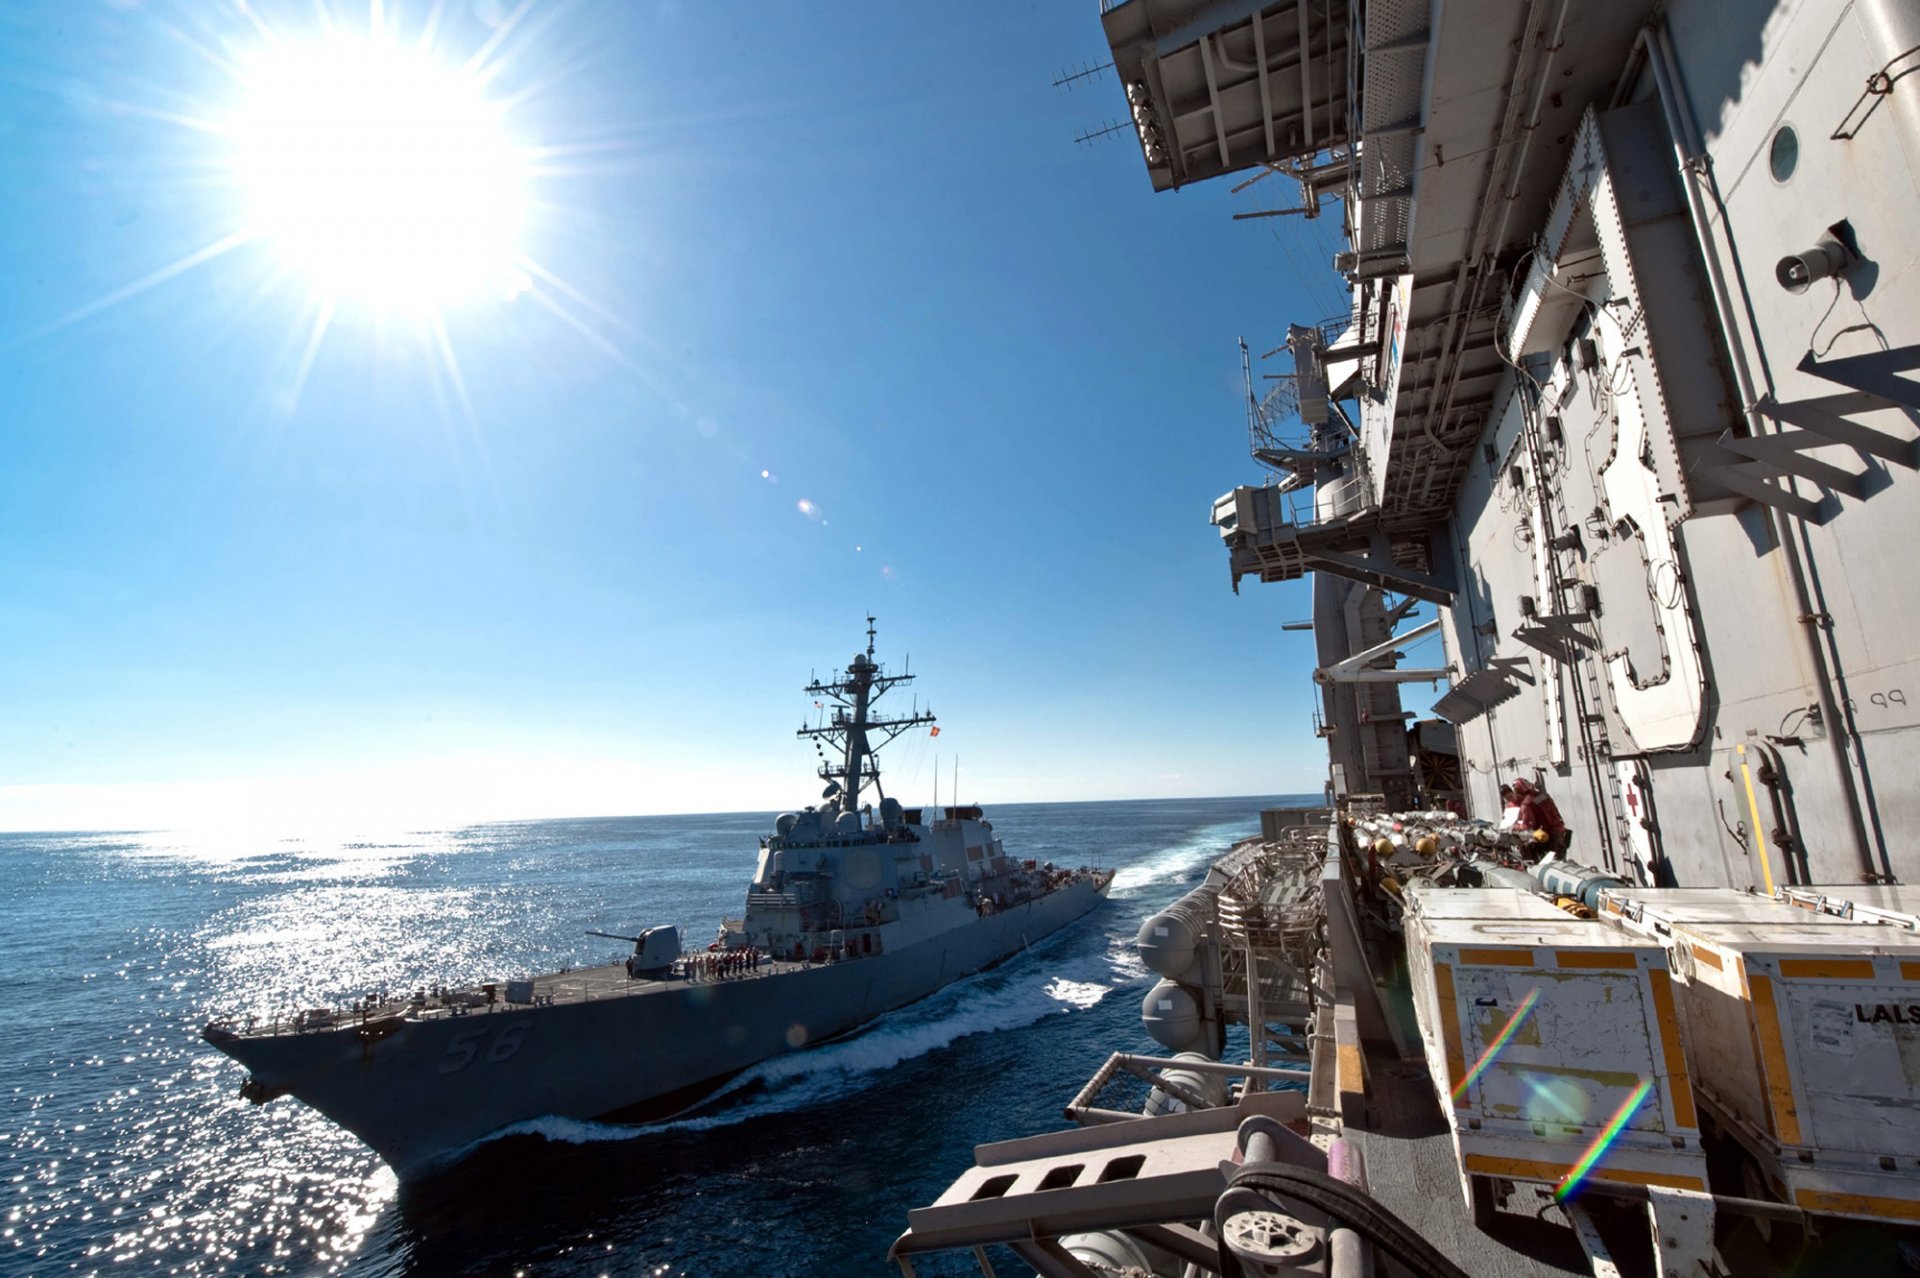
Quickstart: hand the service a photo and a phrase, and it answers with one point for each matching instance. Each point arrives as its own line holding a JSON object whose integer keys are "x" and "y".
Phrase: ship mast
{"x": 852, "y": 725}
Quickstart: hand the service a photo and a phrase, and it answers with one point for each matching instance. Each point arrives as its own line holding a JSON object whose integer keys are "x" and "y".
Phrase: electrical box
{"x": 1552, "y": 1040}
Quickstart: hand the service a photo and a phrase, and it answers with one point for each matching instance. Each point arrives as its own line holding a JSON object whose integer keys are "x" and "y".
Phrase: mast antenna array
{"x": 851, "y": 725}
{"x": 1085, "y": 71}
{"x": 1101, "y": 134}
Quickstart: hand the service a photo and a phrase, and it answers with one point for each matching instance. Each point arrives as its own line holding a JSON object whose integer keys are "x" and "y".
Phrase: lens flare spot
{"x": 1577, "y": 1175}
{"x": 1554, "y": 1100}
{"x": 1520, "y": 1013}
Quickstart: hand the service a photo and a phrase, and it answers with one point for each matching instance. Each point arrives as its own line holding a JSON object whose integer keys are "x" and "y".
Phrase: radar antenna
{"x": 1085, "y": 71}
{"x": 1264, "y": 412}
{"x": 1296, "y": 428}
{"x": 859, "y": 734}
{"x": 1087, "y": 137}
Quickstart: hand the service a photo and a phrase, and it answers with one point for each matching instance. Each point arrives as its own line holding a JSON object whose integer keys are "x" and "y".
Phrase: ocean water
{"x": 126, "y": 1149}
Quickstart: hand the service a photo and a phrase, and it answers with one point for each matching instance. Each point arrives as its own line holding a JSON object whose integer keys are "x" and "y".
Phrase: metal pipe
{"x": 1090, "y": 1116}
{"x": 1306, "y": 67}
{"x": 1353, "y": 669}
{"x": 1124, "y": 1059}
{"x": 1347, "y": 1251}
{"x": 1757, "y": 1208}
{"x": 1479, "y": 247}
{"x": 1081, "y": 1109}
{"x": 1539, "y": 94}
{"x": 1680, "y": 124}
{"x": 1892, "y": 28}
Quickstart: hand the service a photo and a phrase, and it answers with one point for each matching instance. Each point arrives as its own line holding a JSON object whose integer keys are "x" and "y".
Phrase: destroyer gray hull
{"x": 423, "y": 1091}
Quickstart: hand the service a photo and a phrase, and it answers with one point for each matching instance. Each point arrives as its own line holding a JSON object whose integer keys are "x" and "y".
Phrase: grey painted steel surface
{"x": 1664, "y": 503}
{"x": 1551, "y": 499}
{"x": 1662, "y": 491}
{"x": 425, "y": 1092}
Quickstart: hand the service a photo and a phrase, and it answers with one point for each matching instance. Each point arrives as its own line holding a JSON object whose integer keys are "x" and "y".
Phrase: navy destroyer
{"x": 855, "y": 908}
{"x": 1621, "y": 409}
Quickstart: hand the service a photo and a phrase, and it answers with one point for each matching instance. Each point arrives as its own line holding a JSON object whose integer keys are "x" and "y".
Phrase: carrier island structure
{"x": 855, "y": 908}
{"x": 1620, "y": 420}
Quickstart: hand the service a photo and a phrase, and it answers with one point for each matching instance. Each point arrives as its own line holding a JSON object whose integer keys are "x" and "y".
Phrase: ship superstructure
{"x": 1623, "y": 409}
{"x": 854, "y": 910}
{"x": 847, "y": 878}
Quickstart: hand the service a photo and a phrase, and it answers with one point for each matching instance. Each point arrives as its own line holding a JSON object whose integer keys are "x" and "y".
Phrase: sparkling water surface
{"x": 126, "y": 1148}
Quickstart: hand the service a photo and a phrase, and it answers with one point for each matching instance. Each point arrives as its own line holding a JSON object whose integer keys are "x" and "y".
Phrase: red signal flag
{"x": 936, "y": 732}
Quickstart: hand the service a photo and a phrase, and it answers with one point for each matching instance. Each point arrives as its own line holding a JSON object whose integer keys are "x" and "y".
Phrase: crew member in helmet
{"x": 1540, "y": 815}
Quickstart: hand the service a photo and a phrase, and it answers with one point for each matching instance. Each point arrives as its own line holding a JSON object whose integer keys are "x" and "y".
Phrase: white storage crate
{"x": 1802, "y": 1032}
{"x": 1540, "y": 1030}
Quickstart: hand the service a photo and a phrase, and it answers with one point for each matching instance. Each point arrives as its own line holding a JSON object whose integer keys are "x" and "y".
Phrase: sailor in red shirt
{"x": 1539, "y": 813}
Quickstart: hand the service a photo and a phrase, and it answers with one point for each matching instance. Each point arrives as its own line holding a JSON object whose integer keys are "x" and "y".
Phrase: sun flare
{"x": 386, "y": 172}
{"x": 379, "y": 174}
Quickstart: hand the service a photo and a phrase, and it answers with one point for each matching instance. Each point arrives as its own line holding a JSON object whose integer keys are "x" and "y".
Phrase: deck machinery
{"x": 1622, "y": 409}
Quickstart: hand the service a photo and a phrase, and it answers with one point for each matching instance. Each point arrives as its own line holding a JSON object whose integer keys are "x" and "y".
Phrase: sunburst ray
{"x": 180, "y": 265}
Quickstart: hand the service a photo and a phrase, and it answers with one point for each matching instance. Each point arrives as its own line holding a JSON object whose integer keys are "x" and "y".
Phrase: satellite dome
{"x": 784, "y": 823}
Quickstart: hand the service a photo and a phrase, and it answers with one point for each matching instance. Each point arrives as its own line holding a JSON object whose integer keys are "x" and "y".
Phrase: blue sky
{"x": 535, "y": 568}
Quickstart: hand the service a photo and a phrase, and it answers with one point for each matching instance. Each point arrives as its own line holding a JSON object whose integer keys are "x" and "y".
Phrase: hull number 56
{"x": 465, "y": 1046}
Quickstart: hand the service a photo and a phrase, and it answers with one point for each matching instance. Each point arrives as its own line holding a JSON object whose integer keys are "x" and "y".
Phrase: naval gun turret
{"x": 654, "y": 950}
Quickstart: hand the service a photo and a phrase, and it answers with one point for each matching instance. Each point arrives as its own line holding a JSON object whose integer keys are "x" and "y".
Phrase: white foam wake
{"x": 1005, "y": 999}
{"x": 1180, "y": 861}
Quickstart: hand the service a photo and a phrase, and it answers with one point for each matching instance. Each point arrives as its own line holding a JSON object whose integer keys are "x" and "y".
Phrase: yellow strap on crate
{"x": 1774, "y": 1071}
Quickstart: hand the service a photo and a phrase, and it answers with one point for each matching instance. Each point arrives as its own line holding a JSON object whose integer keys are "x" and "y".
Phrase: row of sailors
{"x": 720, "y": 965}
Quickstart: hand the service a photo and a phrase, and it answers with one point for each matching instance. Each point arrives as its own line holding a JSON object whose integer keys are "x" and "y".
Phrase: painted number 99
{"x": 465, "y": 1046}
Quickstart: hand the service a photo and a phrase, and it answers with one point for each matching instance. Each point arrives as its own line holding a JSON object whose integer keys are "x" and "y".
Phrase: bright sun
{"x": 379, "y": 174}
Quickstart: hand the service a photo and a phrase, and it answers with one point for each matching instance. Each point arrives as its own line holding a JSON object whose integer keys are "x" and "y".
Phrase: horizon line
{"x": 434, "y": 827}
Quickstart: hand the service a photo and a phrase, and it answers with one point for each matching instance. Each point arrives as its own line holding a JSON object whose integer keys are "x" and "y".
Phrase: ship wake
{"x": 1010, "y": 997}
{"x": 1077, "y": 969}
{"x": 1177, "y": 862}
